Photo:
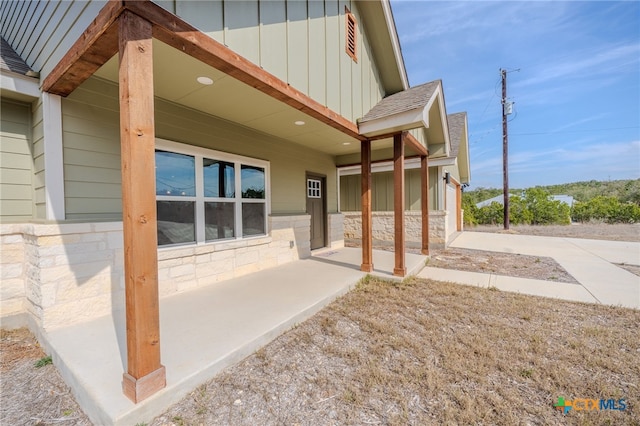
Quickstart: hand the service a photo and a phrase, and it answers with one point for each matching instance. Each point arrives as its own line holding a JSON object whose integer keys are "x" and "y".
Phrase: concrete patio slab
{"x": 204, "y": 330}
{"x": 564, "y": 291}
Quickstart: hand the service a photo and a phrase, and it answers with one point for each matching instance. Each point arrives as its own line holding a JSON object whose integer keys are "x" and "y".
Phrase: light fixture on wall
{"x": 447, "y": 178}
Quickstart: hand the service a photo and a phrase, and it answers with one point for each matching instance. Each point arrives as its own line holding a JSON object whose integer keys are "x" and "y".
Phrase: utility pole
{"x": 506, "y": 109}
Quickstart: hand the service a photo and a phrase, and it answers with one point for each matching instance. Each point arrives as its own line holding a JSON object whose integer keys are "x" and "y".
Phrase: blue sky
{"x": 577, "y": 92}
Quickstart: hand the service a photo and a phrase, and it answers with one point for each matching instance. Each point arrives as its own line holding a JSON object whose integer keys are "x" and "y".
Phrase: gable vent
{"x": 351, "y": 35}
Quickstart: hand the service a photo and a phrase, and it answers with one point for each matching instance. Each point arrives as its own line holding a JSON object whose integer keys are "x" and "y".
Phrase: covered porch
{"x": 205, "y": 330}
{"x": 154, "y": 48}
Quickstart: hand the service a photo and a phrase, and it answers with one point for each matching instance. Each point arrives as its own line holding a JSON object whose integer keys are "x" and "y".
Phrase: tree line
{"x": 610, "y": 201}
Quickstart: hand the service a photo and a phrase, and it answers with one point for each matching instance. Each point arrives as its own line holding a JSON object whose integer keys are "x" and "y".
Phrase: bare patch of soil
{"x": 592, "y": 231}
{"x": 510, "y": 264}
{"x": 32, "y": 395}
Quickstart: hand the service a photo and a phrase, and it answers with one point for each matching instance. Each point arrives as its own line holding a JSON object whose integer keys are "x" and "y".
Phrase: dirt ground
{"x": 422, "y": 352}
{"x": 593, "y": 231}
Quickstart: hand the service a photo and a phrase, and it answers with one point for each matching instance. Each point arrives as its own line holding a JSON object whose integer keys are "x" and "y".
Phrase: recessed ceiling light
{"x": 299, "y": 123}
{"x": 346, "y": 143}
{"x": 205, "y": 80}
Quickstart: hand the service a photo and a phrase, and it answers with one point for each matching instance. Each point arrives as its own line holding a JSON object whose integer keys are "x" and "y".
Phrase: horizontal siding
{"x": 39, "y": 199}
{"x": 92, "y": 152}
{"x": 16, "y": 162}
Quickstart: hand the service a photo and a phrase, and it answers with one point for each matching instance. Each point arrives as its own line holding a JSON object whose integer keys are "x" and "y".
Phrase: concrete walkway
{"x": 590, "y": 262}
{"x": 205, "y": 330}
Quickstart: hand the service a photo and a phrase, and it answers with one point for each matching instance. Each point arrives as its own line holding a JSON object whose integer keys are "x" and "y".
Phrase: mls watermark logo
{"x": 585, "y": 404}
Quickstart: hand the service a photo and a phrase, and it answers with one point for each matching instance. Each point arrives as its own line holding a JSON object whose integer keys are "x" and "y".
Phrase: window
{"x": 204, "y": 195}
{"x": 313, "y": 188}
{"x": 351, "y": 41}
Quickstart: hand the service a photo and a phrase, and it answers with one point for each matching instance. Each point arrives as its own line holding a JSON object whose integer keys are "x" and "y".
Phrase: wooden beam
{"x": 414, "y": 144}
{"x": 367, "y": 226}
{"x": 458, "y": 207}
{"x": 145, "y": 375}
{"x": 400, "y": 268}
{"x": 424, "y": 202}
{"x": 95, "y": 46}
{"x": 177, "y": 33}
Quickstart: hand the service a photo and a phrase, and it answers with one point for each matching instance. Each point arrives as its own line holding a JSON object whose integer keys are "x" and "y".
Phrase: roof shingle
{"x": 10, "y": 61}
{"x": 413, "y": 98}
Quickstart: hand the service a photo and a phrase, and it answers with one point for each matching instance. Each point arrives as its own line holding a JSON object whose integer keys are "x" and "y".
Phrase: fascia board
{"x": 19, "y": 84}
{"x": 407, "y": 120}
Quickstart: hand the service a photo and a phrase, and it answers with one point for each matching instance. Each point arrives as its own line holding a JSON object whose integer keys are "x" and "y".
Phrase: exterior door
{"x": 316, "y": 208}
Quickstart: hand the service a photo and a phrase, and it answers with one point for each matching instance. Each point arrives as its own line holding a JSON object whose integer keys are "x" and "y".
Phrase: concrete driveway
{"x": 591, "y": 262}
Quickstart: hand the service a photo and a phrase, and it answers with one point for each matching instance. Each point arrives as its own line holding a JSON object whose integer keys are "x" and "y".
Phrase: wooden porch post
{"x": 145, "y": 375}
{"x": 424, "y": 202}
{"x": 458, "y": 207}
{"x": 398, "y": 204}
{"x": 367, "y": 227}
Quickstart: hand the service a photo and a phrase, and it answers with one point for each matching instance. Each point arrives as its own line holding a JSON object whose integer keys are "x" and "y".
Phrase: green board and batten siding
{"x": 300, "y": 42}
{"x": 382, "y": 191}
{"x": 16, "y": 162}
{"x": 92, "y": 152}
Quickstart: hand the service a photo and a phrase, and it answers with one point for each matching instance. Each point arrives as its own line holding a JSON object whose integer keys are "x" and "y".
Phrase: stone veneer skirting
{"x": 59, "y": 274}
{"x": 383, "y": 227}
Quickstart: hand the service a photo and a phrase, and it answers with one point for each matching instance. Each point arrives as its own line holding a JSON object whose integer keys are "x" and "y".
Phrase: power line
{"x": 575, "y": 131}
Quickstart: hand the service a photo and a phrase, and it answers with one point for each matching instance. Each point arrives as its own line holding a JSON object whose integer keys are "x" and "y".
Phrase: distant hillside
{"x": 624, "y": 190}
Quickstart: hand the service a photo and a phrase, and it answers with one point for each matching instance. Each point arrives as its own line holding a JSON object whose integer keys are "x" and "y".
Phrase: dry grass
{"x": 424, "y": 352}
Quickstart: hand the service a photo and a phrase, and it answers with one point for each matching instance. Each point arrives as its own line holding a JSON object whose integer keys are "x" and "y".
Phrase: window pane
{"x": 175, "y": 174}
{"x": 219, "y": 178}
{"x": 176, "y": 222}
{"x": 252, "y": 219}
{"x": 252, "y": 179}
{"x": 219, "y": 221}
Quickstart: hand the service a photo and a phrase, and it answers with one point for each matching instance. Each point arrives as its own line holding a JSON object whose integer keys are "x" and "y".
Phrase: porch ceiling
{"x": 175, "y": 79}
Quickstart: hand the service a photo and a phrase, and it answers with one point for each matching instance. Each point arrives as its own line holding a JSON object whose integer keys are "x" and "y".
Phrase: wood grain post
{"x": 458, "y": 207}
{"x": 145, "y": 375}
{"x": 367, "y": 225}
{"x": 400, "y": 268}
{"x": 424, "y": 202}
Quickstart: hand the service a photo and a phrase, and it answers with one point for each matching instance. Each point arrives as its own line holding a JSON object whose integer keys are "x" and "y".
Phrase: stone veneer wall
{"x": 59, "y": 274}
{"x": 383, "y": 227}
{"x": 336, "y": 230}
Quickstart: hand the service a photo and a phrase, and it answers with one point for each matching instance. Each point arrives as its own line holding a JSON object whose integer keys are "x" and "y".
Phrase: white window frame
{"x": 237, "y": 160}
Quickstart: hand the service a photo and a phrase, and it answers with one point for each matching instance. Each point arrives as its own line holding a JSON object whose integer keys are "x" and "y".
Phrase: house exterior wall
{"x": 383, "y": 228}
{"x": 382, "y": 191}
{"x": 16, "y": 162}
{"x": 301, "y": 42}
{"x": 60, "y": 274}
{"x": 92, "y": 152}
{"x": 37, "y": 123}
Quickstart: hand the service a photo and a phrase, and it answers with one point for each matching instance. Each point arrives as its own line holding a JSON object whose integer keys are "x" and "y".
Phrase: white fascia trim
{"x": 53, "y": 157}
{"x": 407, "y": 120}
{"x": 395, "y": 42}
{"x": 20, "y": 84}
{"x": 444, "y": 161}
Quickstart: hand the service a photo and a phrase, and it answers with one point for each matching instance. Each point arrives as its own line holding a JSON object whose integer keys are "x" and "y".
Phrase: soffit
{"x": 175, "y": 75}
